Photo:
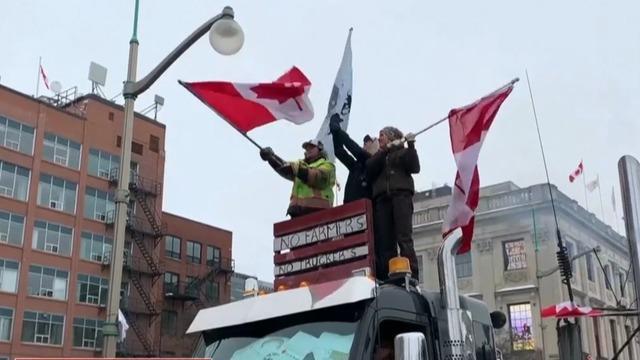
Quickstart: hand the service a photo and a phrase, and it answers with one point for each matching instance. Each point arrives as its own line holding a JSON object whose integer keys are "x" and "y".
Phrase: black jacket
{"x": 357, "y": 186}
{"x": 390, "y": 170}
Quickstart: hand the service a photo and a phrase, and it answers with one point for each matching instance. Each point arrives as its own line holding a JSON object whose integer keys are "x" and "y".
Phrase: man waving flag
{"x": 340, "y": 100}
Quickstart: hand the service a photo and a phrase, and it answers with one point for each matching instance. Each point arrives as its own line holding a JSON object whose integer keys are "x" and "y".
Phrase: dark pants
{"x": 393, "y": 227}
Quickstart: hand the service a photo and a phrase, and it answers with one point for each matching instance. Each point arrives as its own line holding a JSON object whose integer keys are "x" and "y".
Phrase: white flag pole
{"x": 600, "y": 193}
{"x": 38, "y": 81}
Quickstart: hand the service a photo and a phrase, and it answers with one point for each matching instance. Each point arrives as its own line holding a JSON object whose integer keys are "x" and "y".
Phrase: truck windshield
{"x": 319, "y": 335}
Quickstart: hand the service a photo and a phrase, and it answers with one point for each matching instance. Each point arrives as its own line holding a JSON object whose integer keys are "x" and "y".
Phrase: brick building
{"x": 59, "y": 162}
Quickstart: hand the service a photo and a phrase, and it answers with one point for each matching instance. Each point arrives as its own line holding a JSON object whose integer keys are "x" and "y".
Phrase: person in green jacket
{"x": 313, "y": 178}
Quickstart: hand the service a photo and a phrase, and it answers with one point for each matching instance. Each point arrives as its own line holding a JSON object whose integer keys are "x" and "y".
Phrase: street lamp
{"x": 226, "y": 37}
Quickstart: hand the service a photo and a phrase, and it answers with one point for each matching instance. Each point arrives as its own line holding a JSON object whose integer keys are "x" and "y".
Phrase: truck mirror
{"x": 498, "y": 319}
{"x": 410, "y": 346}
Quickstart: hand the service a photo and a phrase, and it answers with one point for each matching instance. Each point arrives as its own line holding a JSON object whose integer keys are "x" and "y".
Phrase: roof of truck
{"x": 282, "y": 303}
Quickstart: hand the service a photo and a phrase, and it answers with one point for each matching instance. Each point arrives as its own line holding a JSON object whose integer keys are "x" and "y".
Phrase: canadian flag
{"x": 568, "y": 309}
{"x": 248, "y": 106}
{"x": 577, "y": 172}
{"x": 468, "y": 126}
{"x": 44, "y": 77}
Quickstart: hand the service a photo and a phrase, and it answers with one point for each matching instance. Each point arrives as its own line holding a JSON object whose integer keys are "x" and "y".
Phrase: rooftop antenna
{"x": 56, "y": 87}
{"x": 98, "y": 78}
{"x": 158, "y": 102}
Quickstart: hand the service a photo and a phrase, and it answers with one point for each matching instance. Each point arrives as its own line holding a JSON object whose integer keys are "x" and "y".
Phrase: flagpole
{"x": 510, "y": 83}
{"x": 600, "y": 193}
{"x": 584, "y": 183}
{"x": 38, "y": 81}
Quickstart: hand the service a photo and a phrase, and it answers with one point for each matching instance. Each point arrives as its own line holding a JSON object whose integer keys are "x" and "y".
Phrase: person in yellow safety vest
{"x": 313, "y": 178}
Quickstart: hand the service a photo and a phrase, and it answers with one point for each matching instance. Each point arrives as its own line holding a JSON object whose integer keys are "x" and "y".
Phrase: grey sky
{"x": 412, "y": 63}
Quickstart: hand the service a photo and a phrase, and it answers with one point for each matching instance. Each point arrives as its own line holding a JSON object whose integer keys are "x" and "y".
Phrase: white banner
{"x": 340, "y": 100}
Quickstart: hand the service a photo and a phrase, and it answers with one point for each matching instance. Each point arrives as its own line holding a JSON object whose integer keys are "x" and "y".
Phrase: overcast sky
{"x": 412, "y": 62}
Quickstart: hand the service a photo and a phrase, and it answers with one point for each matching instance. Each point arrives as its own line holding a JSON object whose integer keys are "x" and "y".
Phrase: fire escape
{"x": 144, "y": 270}
{"x": 196, "y": 292}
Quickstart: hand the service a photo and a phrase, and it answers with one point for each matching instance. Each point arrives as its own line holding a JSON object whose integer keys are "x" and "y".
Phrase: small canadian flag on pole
{"x": 44, "y": 77}
{"x": 577, "y": 172}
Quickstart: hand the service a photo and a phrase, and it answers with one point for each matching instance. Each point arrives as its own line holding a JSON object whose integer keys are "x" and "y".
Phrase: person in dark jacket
{"x": 354, "y": 159}
{"x": 390, "y": 171}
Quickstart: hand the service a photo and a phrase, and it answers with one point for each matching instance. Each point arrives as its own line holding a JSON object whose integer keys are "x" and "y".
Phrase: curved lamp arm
{"x": 133, "y": 89}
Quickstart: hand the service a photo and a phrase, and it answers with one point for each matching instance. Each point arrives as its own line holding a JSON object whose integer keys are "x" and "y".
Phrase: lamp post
{"x": 226, "y": 37}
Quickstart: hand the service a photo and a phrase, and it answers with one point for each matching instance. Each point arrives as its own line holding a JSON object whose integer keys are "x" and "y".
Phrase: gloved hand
{"x": 266, "y": 153}
{"x": 410, "y": 137}
{"x": 334, "y": 123}
{"x": 397, "y": 142}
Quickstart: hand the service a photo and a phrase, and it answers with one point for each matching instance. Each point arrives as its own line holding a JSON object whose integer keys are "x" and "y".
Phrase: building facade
{"x": 59, "y": 163}
{"x": 238, "y": 289}
{"x": 509, "y": 267}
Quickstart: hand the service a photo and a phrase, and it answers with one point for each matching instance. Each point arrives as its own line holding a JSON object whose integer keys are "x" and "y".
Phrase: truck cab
{"x": 348, "y": 317}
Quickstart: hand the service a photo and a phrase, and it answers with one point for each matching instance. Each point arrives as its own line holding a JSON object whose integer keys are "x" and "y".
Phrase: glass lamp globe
{"x": 226, "y": 36}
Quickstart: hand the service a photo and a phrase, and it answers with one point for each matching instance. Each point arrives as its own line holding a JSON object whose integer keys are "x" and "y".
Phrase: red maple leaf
{"x": 279, "y": 92}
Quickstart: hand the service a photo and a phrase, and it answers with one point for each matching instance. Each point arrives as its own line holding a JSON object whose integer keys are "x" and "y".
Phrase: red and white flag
{"x": 577, "y": 172}
{"x": 468, "y": 127}
{"x": 568, "y": 309}
{"x": 248, "y": 106}
{"x": 44, "y": 77}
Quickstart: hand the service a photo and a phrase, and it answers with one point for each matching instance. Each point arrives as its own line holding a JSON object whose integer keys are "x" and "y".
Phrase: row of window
{"x": 58, "y": 239}
{"x": 192, "y": 288}
{"x": 53, "y": 238}
{"x": 53, "y": 283}
{"x": 46, "y": 328}
{"x": 54, "y": 192}
{"x": 62, "y": 151}
{"x": 173, "y": 246}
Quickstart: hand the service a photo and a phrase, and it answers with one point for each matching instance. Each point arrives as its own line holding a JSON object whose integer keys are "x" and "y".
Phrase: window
{"x": 622, "y": 283}
{"x": 14, "y": 181}
{"x": 16, "y": 136}
{"x": 6, "y": 323}
{"x": 57, "y": 193}
{"x": 172, "y": 247}
{"x": 194, "y": 250}
{"x": 101, "y": 163}
{"x": 213, "y": 255}
{"x": 520, "y": 321}
{"x": 97, "y": 204}
{"x": 608, "y": 277}
{"x": 53, "y": 238}
{"x": 87, "y": 333}
{"x": 95, "y": 247}
{"x": 48, "y": 282}
{"x": 463, "y": 265}
{"x": 590, "y": 267}
{"x": 9, "y": 270}
{"x": 92, "y": 289}
{"x": 11, "y": 228}
{"x": 631, "y": 347}
{"x": 596, "y": 331}
{"x": 614, "y": 335}
{"x": 61, "y": 151}
{"x": 171, "y": 281}
{"x": 42, "y": 328}
{"x": 212, "y": 291}
{"x": 515, "y": 255}
{"x": 571, "y": 251}
{"x": 420, "y": 270}
{"x": 191, "y": 288}
{"x": 136, "y": 148}
{"x": 169, "y": 322}
{"x": 154, "y": 143}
